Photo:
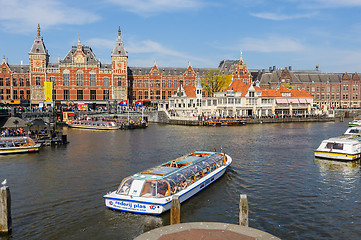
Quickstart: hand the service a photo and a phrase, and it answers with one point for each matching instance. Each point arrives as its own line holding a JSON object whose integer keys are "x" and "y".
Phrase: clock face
{"x": 118, "y": 65}
{"x": 37, "y": 63}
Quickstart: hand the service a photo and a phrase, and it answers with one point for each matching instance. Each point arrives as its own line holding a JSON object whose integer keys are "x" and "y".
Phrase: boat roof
{"x": 161, "y": 172}
{"x": 344, "y": 139}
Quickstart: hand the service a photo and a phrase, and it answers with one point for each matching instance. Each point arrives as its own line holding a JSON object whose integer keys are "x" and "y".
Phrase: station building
{"x": 82, "y": 78}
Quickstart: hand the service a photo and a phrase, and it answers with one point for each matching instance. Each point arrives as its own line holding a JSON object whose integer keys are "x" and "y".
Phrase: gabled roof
{"x": 239, "y": 86}
{"x": 88, "y": 52}
{"x": 190, "y": 90}
{"x": 300, "y": 93}
{"x": 271, "y": 93}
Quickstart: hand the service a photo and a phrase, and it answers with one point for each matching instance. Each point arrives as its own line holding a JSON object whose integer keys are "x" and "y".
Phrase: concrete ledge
{"x": 205, "y": 230}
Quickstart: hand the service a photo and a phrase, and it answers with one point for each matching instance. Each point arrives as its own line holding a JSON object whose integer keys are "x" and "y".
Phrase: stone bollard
{"x": 5, "y": 209}
{"x": 243, "y": 210}
{"x": 175, "y": 210}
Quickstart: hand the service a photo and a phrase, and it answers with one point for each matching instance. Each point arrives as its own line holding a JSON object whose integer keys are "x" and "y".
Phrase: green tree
{"x": 214, "y": 81}
{"x": 16, "y": 122}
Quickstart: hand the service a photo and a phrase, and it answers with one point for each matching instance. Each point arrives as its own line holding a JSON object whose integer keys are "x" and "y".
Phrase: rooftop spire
{"x": 119, "y": 33}
{"x": 78, "y": 46}
{"x": 38, "y": 30}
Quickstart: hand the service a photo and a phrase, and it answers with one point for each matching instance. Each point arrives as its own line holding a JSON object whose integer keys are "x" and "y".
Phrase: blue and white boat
{"x": 151, "y": 191}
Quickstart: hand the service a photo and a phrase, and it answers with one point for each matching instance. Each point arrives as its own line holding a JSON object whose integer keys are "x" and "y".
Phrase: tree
{"x": 215, "y": 81}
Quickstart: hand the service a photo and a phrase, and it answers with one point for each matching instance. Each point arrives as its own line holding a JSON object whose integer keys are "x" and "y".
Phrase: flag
{"x": 123, "y": 103}
{"x": 139, "y": 103}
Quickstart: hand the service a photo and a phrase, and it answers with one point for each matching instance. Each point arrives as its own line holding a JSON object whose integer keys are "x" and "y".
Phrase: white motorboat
{"x": 9, "y": 145}
{"x": 151, "y": 191}
{"x": 343, "y": 148}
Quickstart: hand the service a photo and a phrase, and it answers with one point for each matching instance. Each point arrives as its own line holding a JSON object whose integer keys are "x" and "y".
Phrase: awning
{"x": 293, "y": 100}
{"x": 302, "y": 100}
{"x": 71, "y": 114}
{"x": 281, "y": 101}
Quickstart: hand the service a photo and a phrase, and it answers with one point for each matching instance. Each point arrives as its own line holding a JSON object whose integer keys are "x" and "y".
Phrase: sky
{"x": 174, "y": 33}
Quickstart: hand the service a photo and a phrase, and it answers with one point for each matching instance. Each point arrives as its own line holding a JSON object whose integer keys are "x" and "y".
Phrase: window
{"x": 66, "y": 77}
{"x": 251, "y": 94}
{"x": 93, "y": 94}
{"x": 1, "y": 94}
{"x": 189, "y": 73}
{"x": 66, "y": 94}
{"x": 4, "y": 71}
{"x": 1, "y": 81}
{"x": 15, "y": 94}
{"x": 53, "y": 80}
{"x": 134, "y": 83}
{"x": 28, "y": 94}
{"x": 140, "y": 95}
{"x": 119, "y": 81}
{"x": 15, "y": 82}
{"x": 93, "y": 79}
{"x": 323, "y": 89}
{"x": 28, "y": 82}
{"x": 157, "y": 83}
{"x": 146, "y": 95}
{"x": 163, "y": 84}
{"x": 175, "y": 84}
{"x": 146, "y": 83}
{"x": 318, "y": 89}
{"x": 155, "y": 73}
{"x": 105, "y": 94}
{"x": 21, "y": 82}
{"x": 105, "y": 82}
{"x": 37, "y": 81}
{"x": 7, "y": 82}
{"x": 79, "y": 94}
{"x": 79, "y": 79}
{"x": 54, "y": 94}
{"x": 140, "y": 83}
{"x": 163, "y": 95}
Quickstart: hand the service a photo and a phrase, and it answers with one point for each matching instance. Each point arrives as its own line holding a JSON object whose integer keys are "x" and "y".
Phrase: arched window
{"x": 66, "y": 76}
{"x": 79, "y": 78}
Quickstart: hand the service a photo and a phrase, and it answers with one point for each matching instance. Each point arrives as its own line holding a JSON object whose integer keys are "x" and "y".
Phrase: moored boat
{"x": 9, "y": 145}
{"x": 151, "y": 191}
{"x": 225, "y": 122}
{"x": 343, "y": 148}
{"x": 353, "y": 131}
{"x": 355, "y": 122}
{"x": 95, "y": 125}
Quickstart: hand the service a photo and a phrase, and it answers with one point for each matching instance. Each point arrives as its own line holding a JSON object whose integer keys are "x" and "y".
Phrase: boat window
{"x": 162, "y": 189}
{"x": 149, "y": 189}
{"x": 338, "y": 146}
{"x": 354, "y": 131}
{"x": 124, "y": 187}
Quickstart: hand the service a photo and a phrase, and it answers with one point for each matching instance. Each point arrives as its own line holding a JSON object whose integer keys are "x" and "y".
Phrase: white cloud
{"x": 24, "y": 15}
{"x": 318, "y": 4}
{"x": 146, "y": 51}
{"x": 279, "y": 17}
{"x": 271, "y": 44}
{"x": 150, "y": 7}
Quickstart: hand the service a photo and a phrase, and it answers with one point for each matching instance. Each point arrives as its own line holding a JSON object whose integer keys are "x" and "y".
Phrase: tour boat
{"x": 151, "y": 191}
{"x": 10, "y": 145}
{"x": 95, "y": 125}
{"x": 343, "y": 148}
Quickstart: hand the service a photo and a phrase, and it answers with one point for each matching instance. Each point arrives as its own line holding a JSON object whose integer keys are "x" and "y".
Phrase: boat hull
{"x": 93, "y": 127}
{"x": 337, "y": 156}
{"x": 14, "y": 150}
{"x": 157, "y": 206}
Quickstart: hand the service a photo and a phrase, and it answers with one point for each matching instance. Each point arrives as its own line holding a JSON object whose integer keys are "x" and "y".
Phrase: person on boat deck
{"x": 174, "y": 164}
{"x": 184, "y": 184}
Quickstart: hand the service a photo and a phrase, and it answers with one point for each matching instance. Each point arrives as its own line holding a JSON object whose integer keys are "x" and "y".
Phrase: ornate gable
{"x": 79, "y": 56}
{"x": 189, "y": 73}
{"x": 285, "y": 76}
{"x": 154, "y": 71}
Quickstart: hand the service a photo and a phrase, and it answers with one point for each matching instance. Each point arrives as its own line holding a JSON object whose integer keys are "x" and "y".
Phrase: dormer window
{"x": 155, "y": 73}
{"x": 118, "y": 52}
{"x": 37, "y": 50}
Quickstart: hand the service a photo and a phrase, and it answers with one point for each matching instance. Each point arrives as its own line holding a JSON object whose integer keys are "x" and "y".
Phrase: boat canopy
{"x": 173, "y": 176}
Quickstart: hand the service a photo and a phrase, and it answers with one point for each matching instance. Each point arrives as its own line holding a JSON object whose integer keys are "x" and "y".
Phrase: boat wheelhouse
{"x": 344, "y": 148}
{"x": 9, "y": 145}
{"x": 95, "y": 125}
{"x": 353, "y": 131}
{"x": 151, "y": 191}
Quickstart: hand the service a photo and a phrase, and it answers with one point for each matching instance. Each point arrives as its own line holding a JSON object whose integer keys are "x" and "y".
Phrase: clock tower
{"x": 38, "y": 61}
{"x": 120, "y": 70}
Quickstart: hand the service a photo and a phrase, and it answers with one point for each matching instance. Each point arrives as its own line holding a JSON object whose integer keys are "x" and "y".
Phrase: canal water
{"x": 57, "y": 193}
